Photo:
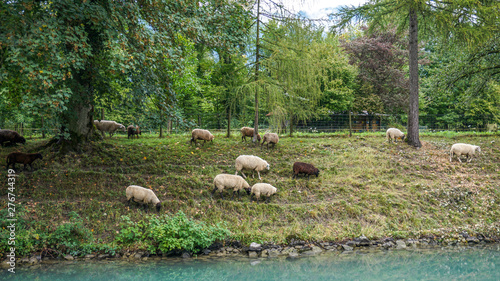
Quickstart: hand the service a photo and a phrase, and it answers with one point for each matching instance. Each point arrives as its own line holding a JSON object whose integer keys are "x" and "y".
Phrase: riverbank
{"x": 74, "y": 205}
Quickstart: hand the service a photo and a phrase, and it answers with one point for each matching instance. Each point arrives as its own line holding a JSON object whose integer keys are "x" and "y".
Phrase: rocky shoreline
{"x": 296, "y": 249}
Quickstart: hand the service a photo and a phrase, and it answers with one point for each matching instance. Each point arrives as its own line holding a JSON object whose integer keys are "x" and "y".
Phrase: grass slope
{"x": 366, "y": 187}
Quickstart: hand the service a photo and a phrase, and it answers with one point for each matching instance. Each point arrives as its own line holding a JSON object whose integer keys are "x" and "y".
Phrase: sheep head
{"x": 158, "y": 206}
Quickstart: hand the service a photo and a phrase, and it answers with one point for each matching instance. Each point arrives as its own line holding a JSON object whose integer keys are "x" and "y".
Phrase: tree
{"x": 382, "y": 60}
{"x": 464, "y": 19}
{"x": 58, "y": 55}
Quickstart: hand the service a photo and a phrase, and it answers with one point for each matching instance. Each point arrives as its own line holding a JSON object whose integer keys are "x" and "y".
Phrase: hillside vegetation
{"x": 366, "y": 187}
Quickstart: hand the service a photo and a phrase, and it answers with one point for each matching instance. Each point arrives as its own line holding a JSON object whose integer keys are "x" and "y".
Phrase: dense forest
{"x": 225, "y": 64}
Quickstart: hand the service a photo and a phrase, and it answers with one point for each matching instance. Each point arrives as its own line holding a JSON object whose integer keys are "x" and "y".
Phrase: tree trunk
{"x": 256, "y": 120}
{"x": 229, "y": 122}
{"x": 413, "y": 135}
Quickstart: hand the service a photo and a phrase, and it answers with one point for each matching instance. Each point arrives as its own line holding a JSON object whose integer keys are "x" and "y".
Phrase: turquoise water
{"x": 454, "y": 264}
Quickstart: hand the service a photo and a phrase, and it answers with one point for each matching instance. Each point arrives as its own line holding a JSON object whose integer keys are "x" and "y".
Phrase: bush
{"x": 176, "y": 233}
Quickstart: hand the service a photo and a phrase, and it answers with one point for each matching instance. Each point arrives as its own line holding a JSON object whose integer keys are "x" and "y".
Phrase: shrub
{"x": 166, "y": 233}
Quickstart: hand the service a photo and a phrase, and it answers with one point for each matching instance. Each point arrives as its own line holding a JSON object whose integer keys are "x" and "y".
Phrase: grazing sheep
{"x": 222, "y": 181}
{"x": 393, "y": 134}
{"x": 261, "y": 189}
{"x": 11, "y": 137}
{"x": 22, "y": 158}
{"x": 200, "y": 134}
{"x": 248, "y": 132}
{"x": 270, "y": 138}
{"x": 304, "y": 168}
{"x": 133, "y": 130}
{"x": 468, "y": 150}
{"x": 250, "y": 162}
{"x": 143, "y": 196}
{"x": 108, "y": 126}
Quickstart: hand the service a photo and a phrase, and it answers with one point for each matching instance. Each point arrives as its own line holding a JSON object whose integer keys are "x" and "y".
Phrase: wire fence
{"x": 357, "y": 123}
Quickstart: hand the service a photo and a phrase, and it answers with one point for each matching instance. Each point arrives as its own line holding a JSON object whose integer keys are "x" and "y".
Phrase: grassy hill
{"x": 366, "y": 187}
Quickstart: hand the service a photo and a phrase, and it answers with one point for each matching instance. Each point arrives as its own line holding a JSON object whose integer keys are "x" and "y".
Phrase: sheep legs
{"x": 213, "y": 191}
{"x": 239, "y": 197}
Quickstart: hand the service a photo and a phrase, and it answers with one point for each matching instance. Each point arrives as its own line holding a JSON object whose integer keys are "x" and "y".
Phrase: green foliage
{"x": 167, "y": 233}
{"x": 71, "y": 236}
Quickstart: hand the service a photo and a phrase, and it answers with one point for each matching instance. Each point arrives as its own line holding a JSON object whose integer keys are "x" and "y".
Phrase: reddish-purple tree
{"x": 382, "y": 60}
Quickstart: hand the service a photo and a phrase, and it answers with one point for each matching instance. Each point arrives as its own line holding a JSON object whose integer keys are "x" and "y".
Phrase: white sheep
{"x": 393, "y": 134}
{"x": 270, "y": 138}
{"x": 250, "y": 162}
{"x": 108, "y": 126}
{"x": 142, "y": 195}
{"x": 259, "y": 189}
{"x": 222, "y": 181}
{"x": 200, "y": 134}
{"x": 468, "y": 150}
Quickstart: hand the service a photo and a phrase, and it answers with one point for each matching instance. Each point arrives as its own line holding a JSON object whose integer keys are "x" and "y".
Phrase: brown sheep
{"x": 22, "y": 158}
{"x": 131, "y": 131}
{"x": 248, "y": 132}
{"x": 11, "y": 137}
{"x": 304, "y": 168}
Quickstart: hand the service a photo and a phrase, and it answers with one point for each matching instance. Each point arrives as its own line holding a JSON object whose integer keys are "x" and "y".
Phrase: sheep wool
{"x": 264, "y": 189}
{"x": 393, "y": 134}
{"x": 11, "y": 137}
{"x": 248, "y": 132}
{"x": 304, "y": 168}
{"x": 270, "y": 138}
{"x": 108, "y": 126}
{"x": 222, "y": 181}
{"x": 460, "y": 149}
{"x": 133, "y": 130}
{"x": 200, "y": 134}
{"x": 142, "y": 195}
{"x": 22, "y": 158}
{"x": 250, "y": 162}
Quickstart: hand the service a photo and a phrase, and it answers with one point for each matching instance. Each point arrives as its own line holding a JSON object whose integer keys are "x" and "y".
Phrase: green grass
{"x": 366, "y": 187}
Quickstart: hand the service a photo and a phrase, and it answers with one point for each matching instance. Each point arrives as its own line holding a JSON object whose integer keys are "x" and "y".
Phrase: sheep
{"x": 248, "y": 132}
{"x": 22, "y": 158}
{"x": 201, "y": 134}
{"x": 468, "y": 150}
{"x": 270, "y": 138}
{"x": 250, "y": 162}
{"x": 304, "y": 168}
{"x": 222, "y": 181}
{"x": 11, "y": 137}
{"x": 143, "y": 196}
{"x": 261, "y": 189}
{"x": 393, "y": 134}
{"x": 133, "y": 130}
{"x": 108, "y": 126}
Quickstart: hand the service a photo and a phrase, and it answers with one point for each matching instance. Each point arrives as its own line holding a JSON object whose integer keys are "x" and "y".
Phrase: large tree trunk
{"x": 256, "y": 120}
{"x": 413, "y": 137}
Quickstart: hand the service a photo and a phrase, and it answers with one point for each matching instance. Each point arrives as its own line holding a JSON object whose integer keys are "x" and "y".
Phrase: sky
{"x": 316, "y": 9}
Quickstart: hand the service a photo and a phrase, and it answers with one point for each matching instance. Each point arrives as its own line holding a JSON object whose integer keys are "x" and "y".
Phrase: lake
{"x": 457, "y": 263}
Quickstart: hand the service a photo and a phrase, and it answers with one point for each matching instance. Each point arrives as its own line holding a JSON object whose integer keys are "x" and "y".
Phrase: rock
{"x": 103, "y": 256}
{"x": 5, "y": 264}
{"x": 272, "y": 253}
{"x": 137, "y": 256}
{"x": 292, "y": 255}
{"x": 400, "y": 244}
{"x": 68, "y": 257}
{"x": 255, "y": 247}
{"x": 206, "y": 251}
{"x": 89, "y": 256}
{"x": 363, "y": 241}
{"x": 33, "y": 260}
{"x": 472, "y": 240}
{"x": 346, "y": 248}
{"x": 252, "y": 254}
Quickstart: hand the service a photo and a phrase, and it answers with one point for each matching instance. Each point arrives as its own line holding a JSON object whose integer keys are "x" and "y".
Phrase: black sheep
{"x": 11, "y": 137}
{"x": 131, "y": 131}
{"x": 304, "y": 168}
{"x": 22, "y": 158}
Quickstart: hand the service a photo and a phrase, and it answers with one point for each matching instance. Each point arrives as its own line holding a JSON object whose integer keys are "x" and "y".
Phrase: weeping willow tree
{"x": 301, "y": 67}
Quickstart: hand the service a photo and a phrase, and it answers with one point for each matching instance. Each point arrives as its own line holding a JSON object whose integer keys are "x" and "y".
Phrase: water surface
{"x": 437, "y": 264}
